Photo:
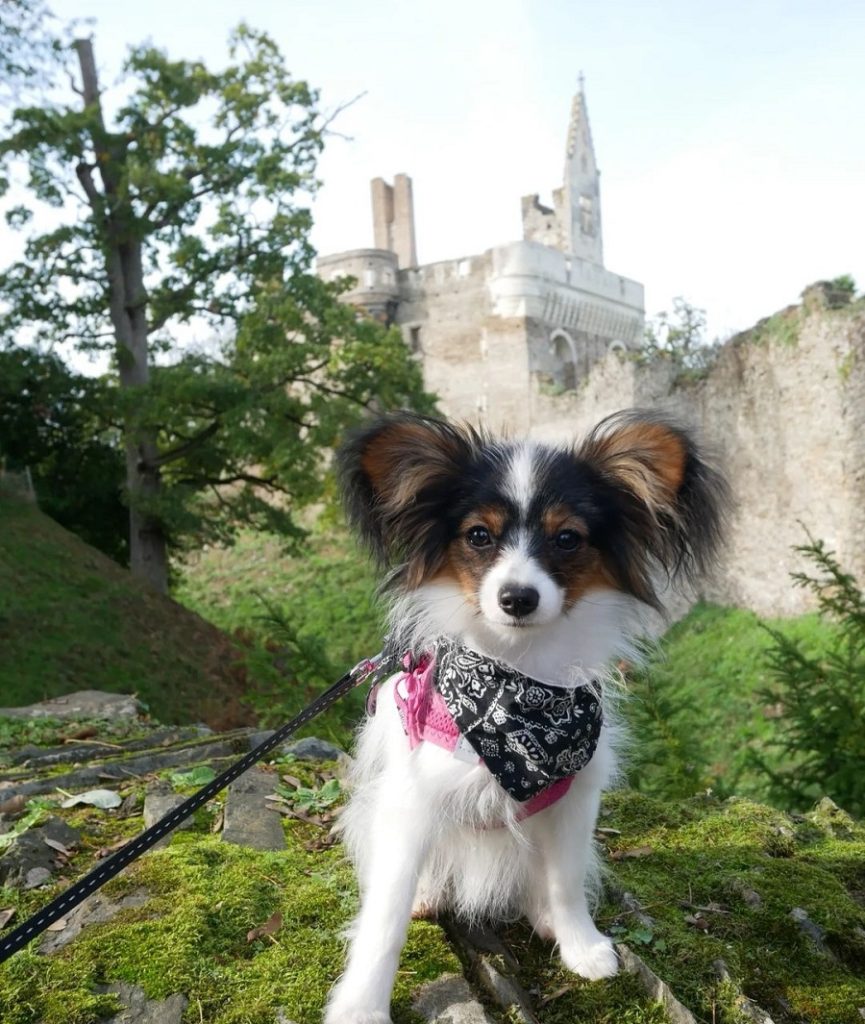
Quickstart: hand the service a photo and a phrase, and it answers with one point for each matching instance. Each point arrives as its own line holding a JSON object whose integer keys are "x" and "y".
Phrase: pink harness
{"x": 425, "y": 717}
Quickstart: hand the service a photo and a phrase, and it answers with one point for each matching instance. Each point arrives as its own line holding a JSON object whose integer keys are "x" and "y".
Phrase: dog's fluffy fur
{"x": 458, "y": 519}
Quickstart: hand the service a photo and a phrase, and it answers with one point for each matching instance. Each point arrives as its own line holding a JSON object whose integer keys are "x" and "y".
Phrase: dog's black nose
{"x": 518, "y": 601}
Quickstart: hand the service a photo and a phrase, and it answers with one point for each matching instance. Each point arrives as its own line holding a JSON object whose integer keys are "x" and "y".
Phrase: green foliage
{"x": 195, "y": 777}
{"x": 780, "y": 328}
{"x": 843, "y": 285}
{"x": 312, "y": 800}
{"x": 35, "y": 812}
{"x": 28, "y": 48}
{"x": 191, "y": 208}
{"x": 692, "y": 714}
{"x": 820, "y": 734}
{"x": 680, "y": 338}
{"x": 52, "y": 420}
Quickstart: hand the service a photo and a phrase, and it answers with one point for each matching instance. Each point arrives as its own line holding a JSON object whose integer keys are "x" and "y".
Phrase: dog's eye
{"x": 479, "y": 537}
{"x": 568, "y": 540}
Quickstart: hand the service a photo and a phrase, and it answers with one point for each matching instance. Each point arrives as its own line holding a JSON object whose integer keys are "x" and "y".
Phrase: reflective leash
{"x": 75, "y": 894}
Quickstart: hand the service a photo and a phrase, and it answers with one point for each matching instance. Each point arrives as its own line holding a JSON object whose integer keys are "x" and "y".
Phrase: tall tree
{"x": 184, "y": 207}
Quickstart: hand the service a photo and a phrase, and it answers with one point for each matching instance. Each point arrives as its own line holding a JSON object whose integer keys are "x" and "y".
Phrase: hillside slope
{"x": 72, "y": 619}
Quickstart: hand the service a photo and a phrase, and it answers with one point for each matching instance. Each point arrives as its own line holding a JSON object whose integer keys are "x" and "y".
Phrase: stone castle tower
{"x": 498, "y": 332}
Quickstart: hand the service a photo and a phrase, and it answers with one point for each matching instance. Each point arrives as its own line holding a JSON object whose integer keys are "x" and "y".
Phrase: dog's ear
{"x": 669, "y": 501}
{"x": 398, "y": 478}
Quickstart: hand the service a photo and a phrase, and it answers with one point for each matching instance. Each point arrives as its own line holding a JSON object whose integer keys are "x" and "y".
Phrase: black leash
{"x": 75, "y": 894}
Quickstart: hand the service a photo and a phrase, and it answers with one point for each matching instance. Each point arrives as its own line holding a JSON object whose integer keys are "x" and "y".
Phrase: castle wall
{"x": 788, "y": 421}
{"x": 442, "y": 310}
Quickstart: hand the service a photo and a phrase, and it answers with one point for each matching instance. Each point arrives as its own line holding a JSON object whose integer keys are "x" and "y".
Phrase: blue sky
{"x": 729, "y": 135}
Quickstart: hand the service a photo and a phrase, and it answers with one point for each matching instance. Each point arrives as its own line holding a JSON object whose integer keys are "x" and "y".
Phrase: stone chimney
{"x": 393, "y": 218}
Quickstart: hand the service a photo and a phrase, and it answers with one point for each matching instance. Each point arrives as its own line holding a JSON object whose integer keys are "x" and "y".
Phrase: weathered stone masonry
{"x": 538, "y": 337}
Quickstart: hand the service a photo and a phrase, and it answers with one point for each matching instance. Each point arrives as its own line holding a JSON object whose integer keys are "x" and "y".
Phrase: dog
{"x": 517, "y": 572}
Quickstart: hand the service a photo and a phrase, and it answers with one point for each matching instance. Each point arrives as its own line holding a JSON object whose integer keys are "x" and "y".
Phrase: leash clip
{"x": 366, "y": 667}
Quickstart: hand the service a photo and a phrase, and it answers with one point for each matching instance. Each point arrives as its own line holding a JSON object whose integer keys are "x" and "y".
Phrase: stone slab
{"x": 30, "y": 852}
{"x": 138, "y": 1009}
{"x": 159, "y": 801}
{"x": 310, "y": 748}
{"x": 96, "y": 909}
{"x": 654, "y": 986}
{"x": 81, "y": 704}
{"x": 248, "y": 820}
{"x": 449, "y": 1000}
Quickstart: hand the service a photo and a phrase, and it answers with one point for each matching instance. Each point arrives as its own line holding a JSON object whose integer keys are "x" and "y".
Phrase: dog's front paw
{"x": 339, "y": 1015}
{"x": 598, "y": 960}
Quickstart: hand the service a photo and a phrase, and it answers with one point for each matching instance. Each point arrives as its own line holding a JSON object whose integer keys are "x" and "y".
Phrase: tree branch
{"x": 173, "y": 454}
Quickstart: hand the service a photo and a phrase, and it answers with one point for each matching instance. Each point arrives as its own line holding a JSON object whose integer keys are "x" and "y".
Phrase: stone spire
{"x": 579, "y": 204}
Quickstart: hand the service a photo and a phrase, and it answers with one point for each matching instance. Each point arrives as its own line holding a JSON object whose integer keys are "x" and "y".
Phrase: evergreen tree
{"x": 820, "y": 732}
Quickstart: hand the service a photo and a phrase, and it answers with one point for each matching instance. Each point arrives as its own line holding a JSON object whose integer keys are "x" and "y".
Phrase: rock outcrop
{"x": 723, "y": 911}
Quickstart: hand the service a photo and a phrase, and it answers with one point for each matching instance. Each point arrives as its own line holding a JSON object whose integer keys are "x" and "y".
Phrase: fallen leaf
{"x": 292, "y": 781}
{"x": 13, "y": 805}
{"x": 58, "y": 926}
{"x": 270, "y": 927}
{"x": 56, "y": 845}
{"x": 218, "y": 821}
{"x": 632, "y": 852}
{"x": 697, "y": 921}
{"x": 609, "y": 831}
{"x": 104, "y": 799}
{"x": 6, "y": 916}
{"x": 105, "y": 851}
{"x": 83, "y": 733}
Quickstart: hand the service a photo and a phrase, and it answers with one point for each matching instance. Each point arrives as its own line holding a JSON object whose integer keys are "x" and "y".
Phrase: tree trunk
{"x": 148, "y": 557}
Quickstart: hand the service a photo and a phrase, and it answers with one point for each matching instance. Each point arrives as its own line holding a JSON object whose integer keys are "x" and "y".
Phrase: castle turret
{"x": 574, "y": 226}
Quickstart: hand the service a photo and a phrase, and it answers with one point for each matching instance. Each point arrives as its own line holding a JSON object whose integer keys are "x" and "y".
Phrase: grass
{"x": 693, "y": 712}
{"x": 318, "y": 612}
{"x": 72, "y": 619}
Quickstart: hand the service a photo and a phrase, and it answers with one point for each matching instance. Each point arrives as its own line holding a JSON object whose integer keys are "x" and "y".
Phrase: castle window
{"x": 414, "y": 342}
{"x": 369, "y": 278}
{"x": 465, "y": 268}
{"x": 564, "y": 350}
{"x": 587, "y": 215}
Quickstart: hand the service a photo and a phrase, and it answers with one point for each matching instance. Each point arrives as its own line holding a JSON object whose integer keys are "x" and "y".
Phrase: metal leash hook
{"x": 113, "y": 865}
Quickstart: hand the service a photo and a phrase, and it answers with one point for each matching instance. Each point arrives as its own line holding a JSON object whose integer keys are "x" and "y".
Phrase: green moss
{"x": 191, "y": 935}
{"x": 719, "y": 854}
{"x": 567, "y": 999}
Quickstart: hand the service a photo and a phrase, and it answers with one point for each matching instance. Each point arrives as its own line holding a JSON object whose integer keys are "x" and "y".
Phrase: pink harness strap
{"x": 425, "y": 717}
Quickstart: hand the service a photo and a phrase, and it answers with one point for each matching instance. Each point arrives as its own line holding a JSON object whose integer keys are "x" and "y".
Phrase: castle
{"x": 538, "y": 337}
{"x": 490, "y": 328}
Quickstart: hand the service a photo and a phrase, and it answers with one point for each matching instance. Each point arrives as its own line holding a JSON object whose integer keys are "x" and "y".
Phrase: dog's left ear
{"x": 671, "y": 502}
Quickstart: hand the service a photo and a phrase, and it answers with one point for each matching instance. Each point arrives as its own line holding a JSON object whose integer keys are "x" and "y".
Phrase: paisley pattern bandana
{"x": 529, "y": 734}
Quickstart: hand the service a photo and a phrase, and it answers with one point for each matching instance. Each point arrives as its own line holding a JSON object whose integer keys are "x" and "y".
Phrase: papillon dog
{"x": 517, "y": 571}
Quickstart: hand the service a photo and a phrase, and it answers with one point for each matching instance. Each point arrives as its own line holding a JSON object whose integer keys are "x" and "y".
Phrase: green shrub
{"x": 821, "y": 731}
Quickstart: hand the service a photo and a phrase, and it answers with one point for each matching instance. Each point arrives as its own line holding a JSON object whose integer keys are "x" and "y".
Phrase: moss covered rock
{"x": 731, "y": 903}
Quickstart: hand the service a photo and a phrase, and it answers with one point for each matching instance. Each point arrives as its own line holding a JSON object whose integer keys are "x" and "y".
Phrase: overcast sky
{"x": 729, "y": 135}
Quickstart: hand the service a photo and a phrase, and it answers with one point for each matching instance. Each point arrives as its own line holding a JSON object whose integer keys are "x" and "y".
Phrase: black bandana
{"x": 529, "y": 734}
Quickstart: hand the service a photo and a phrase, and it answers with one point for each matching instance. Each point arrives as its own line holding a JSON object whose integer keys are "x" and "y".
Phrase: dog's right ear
{"x": 398, "y": 476}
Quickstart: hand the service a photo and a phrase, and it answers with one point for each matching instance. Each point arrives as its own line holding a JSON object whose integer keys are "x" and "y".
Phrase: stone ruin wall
{"x": 787, "y": 419}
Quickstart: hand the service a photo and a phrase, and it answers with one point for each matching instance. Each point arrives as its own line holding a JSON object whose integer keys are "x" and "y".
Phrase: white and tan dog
{"x": 519, "y": 568}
